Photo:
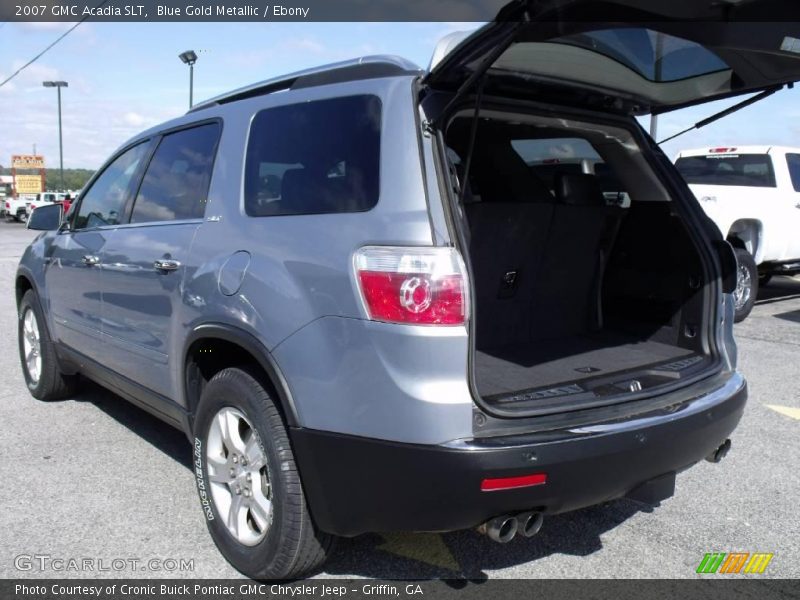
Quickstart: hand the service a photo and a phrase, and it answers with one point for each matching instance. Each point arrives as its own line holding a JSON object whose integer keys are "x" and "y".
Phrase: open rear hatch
{"x": 628, "y": 55}
{"x": 592, "y": 276}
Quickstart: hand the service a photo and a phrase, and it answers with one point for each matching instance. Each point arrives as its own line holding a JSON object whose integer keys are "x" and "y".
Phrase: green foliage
{"x": 74, "y": 179}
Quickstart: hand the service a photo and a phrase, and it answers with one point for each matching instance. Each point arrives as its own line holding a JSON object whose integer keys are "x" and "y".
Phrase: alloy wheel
{"x": 31, "y": 344}
{"x": 239, "y": 476}
{"x": 744, "y": 286}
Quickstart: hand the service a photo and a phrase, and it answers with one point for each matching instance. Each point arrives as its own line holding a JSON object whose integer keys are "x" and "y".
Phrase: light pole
{"x": 189, "y": 58}
{"x": 58, "y": 85}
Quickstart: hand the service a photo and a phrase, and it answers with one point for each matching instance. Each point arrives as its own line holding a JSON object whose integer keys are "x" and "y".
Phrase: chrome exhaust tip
{"x": 500, "y": 529}
{"x": 530, "y": 523}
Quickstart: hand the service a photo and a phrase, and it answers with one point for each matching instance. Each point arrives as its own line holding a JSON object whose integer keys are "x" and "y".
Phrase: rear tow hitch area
{"x": 504, "y": 528}
{"x": 718, "y": 454}
{"x": 655, "y": 490}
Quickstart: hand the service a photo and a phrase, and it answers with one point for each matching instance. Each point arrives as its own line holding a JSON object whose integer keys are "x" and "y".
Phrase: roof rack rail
{"x": 366, "y": 67}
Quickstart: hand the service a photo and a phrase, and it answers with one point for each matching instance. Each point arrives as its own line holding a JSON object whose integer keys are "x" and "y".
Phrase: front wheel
{"x": 248, "y": 482}
{"x": 746, "y": 285}
{"x": 37, "y": 354}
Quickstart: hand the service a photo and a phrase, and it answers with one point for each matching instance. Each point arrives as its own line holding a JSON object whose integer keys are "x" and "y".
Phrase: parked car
{"x": 15, "y": 208}
{"x": 752, "y": 193}
{"x": 368, "y": 314}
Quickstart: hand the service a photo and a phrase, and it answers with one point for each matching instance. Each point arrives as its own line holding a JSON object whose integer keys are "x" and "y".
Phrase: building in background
{"x": 6, "y": 186}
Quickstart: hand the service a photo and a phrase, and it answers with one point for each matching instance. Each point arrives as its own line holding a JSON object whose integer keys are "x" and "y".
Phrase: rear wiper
{"x": 726, "y": 112}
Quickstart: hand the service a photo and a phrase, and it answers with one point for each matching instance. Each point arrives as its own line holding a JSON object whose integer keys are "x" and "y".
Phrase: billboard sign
{"x": 28, "y": 184}
{"x": 27, "y": 161}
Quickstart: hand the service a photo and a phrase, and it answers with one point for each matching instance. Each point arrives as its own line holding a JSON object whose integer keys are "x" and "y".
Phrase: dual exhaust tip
{"x": 503, "y": 529}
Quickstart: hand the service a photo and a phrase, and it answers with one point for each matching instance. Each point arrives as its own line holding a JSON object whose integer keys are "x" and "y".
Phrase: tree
{"x": 74, "y": 179}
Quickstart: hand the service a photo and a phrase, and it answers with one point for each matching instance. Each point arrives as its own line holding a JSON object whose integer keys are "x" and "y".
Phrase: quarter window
{"x": 104, "y": 202}
{"x": 175, "y": 185}
{"x": 312, "y": 158}
{"x": 793, "y": 160}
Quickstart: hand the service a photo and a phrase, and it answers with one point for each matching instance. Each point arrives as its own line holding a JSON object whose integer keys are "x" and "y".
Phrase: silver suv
{"x": 356, "y": 293}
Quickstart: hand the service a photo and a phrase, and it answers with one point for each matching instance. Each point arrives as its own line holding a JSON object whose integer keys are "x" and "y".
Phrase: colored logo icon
{"x": 734, "y": 562}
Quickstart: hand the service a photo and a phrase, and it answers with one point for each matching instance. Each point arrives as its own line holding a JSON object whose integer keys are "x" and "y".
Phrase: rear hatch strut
{"x": 724, "y": 113}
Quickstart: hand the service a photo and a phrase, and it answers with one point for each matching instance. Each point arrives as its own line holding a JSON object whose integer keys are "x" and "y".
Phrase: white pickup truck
{"x": 15, "y": 209}
{"x": 43, "y": 199}
{"x": 752, "y": 193}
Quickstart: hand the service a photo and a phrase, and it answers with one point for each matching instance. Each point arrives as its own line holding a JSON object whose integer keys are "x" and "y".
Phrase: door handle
{"x": 167, "y": 264}
{"x": 90, "y": 260}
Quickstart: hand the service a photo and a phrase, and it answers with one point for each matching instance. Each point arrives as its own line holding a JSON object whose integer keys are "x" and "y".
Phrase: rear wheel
{"x": 249, "y": 486}
{"x": 746, "y": 285}
{"x": 37, "y": 354}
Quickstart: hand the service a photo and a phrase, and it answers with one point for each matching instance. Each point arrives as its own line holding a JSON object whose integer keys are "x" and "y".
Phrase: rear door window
{"x": 314, "y": 158}
{"x": 793, "y": 162}
{"x": 751, "y": 170}
{"x": 175, "y": 185}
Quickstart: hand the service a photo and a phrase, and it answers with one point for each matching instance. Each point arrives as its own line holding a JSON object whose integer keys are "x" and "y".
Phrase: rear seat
{"x": 508, "y": 232}
{"x": 567, "y": 298}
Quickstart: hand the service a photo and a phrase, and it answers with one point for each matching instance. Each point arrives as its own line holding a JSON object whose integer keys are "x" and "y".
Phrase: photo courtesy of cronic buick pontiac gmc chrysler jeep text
{"x": 374, "y": 302}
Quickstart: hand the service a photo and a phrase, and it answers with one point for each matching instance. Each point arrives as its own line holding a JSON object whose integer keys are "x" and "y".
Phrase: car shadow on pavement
{"x": 778, "y": 289}
{"x": 467, "y": 555}
{"x": 462, "y": 556}
{"x": 162, "y": 436}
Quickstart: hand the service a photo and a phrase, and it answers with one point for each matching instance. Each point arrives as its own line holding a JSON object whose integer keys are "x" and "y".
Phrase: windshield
{"x": 752, "y": 170}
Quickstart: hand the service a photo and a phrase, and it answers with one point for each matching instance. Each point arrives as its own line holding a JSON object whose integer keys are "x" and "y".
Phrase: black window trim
{"x": 90, "y": 184}
{"x": 243, "y": 199}
{"x": 157, "y": 138}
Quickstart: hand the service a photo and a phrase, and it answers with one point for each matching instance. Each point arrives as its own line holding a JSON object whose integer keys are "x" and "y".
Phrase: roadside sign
{"x": 29, "y": 184}
{"x": 27, "y": 161}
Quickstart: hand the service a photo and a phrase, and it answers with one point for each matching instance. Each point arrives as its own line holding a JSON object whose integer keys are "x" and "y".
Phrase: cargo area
{"x": 587, "y": 286}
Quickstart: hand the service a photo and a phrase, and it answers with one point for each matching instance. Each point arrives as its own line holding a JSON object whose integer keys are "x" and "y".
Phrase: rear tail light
{"x": 422, "y": 286}
{"x": 722, "y": 150}
{"x": 8, "y": 205}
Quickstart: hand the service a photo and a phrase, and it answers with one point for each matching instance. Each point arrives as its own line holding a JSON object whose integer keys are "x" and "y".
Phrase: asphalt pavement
{"x": 95, "y": 478}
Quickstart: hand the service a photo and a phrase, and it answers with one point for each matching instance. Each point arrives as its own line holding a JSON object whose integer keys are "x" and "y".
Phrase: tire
{"x": 275, "y": 537}
{"x": 45, "y": 381}
{"x": 763, "y": 280}
{"x": 746, "y": 285}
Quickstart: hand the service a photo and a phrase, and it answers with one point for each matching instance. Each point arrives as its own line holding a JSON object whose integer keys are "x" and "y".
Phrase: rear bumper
{"x": 356, "y": 485}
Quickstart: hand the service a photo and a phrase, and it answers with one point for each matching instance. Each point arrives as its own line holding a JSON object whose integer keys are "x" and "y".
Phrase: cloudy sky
{"x": 126, "y": 77}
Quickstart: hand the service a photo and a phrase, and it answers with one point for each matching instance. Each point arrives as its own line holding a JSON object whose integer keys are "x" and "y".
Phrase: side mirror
{"x": 46, "y": 218}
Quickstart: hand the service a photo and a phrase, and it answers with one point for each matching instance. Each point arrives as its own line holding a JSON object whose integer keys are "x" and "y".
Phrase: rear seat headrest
{"x": 579, "y": 189}
{"x": 502, "y": 175}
